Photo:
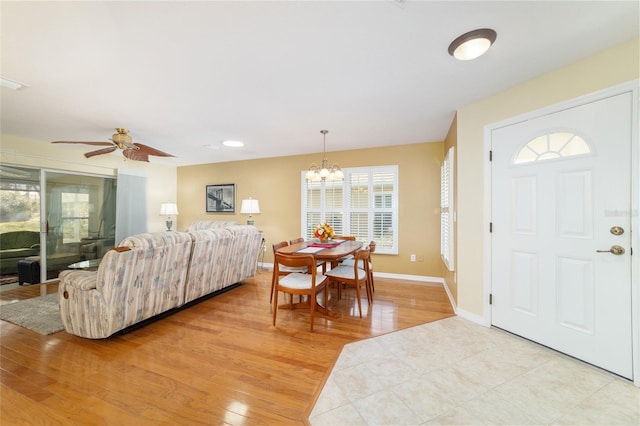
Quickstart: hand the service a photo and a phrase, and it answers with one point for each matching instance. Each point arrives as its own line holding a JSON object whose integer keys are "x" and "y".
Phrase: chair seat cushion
{"x": 343, "y": 271}
{"x": 349, "y": 262}
{"x": 300, "y": 281}
{"x": 291, "y": 269}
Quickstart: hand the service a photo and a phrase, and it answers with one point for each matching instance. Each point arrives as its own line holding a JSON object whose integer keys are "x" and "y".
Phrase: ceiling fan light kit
{"x": 121, "y": 140}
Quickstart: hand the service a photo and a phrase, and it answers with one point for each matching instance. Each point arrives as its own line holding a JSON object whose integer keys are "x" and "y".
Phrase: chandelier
{"x": 317, "y": 174}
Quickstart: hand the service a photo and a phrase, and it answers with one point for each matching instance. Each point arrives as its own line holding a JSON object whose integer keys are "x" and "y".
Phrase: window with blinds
{"x": 364, "y": 204}
{"x": 447, "y": 210}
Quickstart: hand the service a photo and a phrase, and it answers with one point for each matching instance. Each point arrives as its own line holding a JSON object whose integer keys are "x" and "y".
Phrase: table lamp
{"x": 169, "y": 209}
{"x": 250, "y": 207}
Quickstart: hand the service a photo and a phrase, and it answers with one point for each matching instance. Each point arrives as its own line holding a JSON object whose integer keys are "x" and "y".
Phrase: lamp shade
{"x": 250, "y": 207}
{"x": 168, "y": 209}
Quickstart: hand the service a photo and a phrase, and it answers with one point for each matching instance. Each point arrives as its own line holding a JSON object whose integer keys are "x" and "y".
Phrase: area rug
{"x": 8, "y": 279}
{"x": 40, "y": 314}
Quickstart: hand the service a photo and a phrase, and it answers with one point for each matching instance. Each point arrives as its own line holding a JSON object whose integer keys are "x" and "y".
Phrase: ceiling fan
{"x": 121, "y": 139}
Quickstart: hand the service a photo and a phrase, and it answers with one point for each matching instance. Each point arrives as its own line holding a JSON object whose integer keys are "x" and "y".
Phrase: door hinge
{"x": 490, "y": 155}
{"x": 490, "y": 226}
{"x": 490, "y": 298}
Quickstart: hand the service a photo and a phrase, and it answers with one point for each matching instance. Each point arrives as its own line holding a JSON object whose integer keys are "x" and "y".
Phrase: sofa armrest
{"x": 82, "y": 280}
{"x": 35, "y": 246}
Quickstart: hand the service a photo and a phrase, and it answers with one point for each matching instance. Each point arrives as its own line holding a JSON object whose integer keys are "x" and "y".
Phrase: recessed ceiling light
{"x": 10, "y": 84}
{"x": 233, "y": 144}
{"x": 472, "y": 44}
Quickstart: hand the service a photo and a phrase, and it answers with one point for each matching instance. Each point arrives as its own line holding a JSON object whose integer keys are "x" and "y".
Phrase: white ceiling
{"x": 182, "y": 75}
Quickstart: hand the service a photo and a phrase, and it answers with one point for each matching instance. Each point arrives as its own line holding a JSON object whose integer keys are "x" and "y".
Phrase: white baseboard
{"x": 473, "y": 317}
{"x": 450, "y": 296}
{"x": 420, "y": 278}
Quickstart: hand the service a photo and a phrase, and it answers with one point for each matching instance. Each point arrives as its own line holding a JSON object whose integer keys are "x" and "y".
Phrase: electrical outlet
{"x": 413, "y": 257}
{"x": 264, "y": 248}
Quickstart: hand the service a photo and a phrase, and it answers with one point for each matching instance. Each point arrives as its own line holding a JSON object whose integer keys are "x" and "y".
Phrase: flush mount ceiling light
{"x": 233, "y": 144}
{"x": 472, "y": 44}
{"x": 10, "y": 84}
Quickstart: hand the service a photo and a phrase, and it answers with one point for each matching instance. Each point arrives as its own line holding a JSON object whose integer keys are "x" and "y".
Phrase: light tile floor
{"x": 454, "y": 371}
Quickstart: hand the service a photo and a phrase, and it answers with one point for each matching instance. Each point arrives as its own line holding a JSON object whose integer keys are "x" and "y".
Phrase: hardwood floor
{"x": 217, "y": 362}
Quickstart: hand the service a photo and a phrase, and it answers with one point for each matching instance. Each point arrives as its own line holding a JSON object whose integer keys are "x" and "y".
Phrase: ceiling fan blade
{"x": 151, "y": 151}
{"x": 100, "y": 151}
{"x": 135, "y": 154}
{"x": 87, "y": 143}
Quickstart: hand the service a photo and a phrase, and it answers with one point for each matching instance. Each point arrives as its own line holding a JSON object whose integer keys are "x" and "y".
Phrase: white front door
{"x": 561, "y": 204}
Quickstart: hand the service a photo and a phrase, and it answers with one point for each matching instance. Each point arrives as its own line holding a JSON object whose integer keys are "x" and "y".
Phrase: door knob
{"x": 616, "y": 249}
{"x": 617, "y": 230}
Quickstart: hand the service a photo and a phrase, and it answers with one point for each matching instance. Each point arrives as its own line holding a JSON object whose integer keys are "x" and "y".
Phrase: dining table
{"x": 331, "y": 252}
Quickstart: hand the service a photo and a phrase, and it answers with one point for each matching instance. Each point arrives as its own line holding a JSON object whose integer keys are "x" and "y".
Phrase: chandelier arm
{"x": 323, "y": 171}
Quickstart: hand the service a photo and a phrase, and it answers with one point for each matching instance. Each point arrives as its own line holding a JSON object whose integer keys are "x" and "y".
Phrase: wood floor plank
{"x": 219, "y": 361}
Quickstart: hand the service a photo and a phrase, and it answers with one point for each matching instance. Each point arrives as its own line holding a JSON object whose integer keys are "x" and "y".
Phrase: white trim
{"x": 635, "y": 226}
{"x": 631, "y": 86}
{"x": 419, "y": 278}
{"x": 481, "y": 320}
{"x": 450, "y": 296}
{"x": 486, "y": 219}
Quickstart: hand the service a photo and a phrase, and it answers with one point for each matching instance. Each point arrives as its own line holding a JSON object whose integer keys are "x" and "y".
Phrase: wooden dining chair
{"x": 283, "y": 270}
{"x": 354, "y": 275}
{"x": 303, "y": 284}
{"x": 372, "y": 248}
{"x": 318, "y": 262}
{"x": 346, "y": 238}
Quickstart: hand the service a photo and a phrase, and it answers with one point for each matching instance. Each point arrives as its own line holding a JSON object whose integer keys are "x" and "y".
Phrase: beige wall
{"x": 161, "y": 175}
{"x": 608, "y": 68}
{"x": 275, "y": 183}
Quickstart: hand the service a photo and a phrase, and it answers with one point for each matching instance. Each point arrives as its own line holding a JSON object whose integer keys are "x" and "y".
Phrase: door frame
{"x": 633, "y": 87}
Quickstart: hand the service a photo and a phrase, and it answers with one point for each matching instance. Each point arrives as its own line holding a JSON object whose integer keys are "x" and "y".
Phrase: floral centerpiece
{"x": 324, "y": 232}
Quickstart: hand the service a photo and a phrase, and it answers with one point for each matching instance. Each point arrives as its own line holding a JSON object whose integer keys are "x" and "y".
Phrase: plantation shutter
{"x": 447, "y": 210}
{"x": 364, "y": 205}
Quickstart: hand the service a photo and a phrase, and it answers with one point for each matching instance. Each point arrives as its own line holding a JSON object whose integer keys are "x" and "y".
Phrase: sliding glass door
{"x": 78, "y": 217}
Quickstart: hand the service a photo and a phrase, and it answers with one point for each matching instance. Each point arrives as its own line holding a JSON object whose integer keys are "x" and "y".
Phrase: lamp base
{"x": 169, "y": 224}
{"x": 250, "y": 222}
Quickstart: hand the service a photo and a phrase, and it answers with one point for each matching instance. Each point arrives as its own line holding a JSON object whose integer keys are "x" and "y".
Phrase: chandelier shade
{"x": 324, "y": 172}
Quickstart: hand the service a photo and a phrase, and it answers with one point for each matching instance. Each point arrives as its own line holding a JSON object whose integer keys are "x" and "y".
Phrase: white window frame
{"x": 381, "y": 248}
{"x": 447, "y": 210}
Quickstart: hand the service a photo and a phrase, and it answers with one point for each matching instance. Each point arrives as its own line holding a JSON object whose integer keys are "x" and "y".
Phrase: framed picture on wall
{"x": 221, "y": 198}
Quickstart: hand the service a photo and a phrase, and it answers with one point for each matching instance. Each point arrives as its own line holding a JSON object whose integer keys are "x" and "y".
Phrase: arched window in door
{"x": 552, "y": 146}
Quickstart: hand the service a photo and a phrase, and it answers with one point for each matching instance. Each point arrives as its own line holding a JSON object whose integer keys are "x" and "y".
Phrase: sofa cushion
{"x": 18, "y": 252}
{"x": 19, "y": 239}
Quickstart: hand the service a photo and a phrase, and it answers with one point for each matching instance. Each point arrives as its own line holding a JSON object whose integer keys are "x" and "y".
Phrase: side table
{"x": 86, "y": 264}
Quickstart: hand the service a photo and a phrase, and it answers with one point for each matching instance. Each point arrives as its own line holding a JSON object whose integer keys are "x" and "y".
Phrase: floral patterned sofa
{"x": 153, "y": 273}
